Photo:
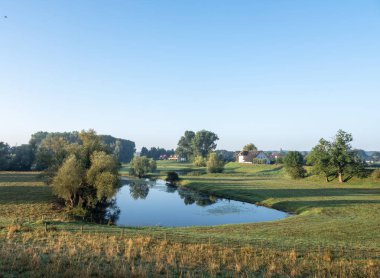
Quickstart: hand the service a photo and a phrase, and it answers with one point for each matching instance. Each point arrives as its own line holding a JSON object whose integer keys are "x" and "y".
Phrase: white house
{"x": 249, "y": 156}
{"x": 177, "y": 158}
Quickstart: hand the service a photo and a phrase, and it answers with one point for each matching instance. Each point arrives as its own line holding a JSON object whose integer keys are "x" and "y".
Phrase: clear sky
{"x": 280, "y": 74}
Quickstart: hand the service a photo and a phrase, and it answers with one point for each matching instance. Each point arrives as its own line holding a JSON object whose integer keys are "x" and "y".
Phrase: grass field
{"x": 334, "y": 231}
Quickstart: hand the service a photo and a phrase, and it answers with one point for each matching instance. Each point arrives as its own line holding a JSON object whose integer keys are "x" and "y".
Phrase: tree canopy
{"x": 204, "y": 142}
{"x": 249, "y": 147}
{"x": 193, "y": 144}
{"x": 85, "y": 175}
{"x": 337, "y": 158}
{"x": 185, "y": 145}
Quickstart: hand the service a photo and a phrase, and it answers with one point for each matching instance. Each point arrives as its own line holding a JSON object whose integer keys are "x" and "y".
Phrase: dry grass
{"x": 64, "y": 254}
{"x": 336, "y": 234}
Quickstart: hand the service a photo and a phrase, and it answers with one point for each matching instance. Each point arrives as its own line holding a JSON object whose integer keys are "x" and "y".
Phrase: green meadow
{"x": 334, "y": 230}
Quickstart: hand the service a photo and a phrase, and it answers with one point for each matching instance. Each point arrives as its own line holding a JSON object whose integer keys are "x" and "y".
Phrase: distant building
{"x": 163, "y": 157}
{"x": 175, "y": 157}
{"x": 137, "y": 153}
{"x": 252, "y": 156}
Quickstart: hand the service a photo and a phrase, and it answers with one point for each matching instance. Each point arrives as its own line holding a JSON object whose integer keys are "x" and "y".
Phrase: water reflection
{"x": 106, "y": 212}
{"x": 150, "y": 203}
{"x": 139, "y": 189}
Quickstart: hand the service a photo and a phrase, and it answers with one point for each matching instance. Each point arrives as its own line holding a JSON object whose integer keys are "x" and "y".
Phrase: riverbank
{"x": 334, "y": 233}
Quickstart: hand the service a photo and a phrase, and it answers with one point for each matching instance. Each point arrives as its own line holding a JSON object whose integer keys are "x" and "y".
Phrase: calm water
{"x": 153, "y": 203}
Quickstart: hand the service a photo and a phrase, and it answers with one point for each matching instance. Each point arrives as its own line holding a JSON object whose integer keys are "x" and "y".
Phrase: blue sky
{"x": 280, "y": 74}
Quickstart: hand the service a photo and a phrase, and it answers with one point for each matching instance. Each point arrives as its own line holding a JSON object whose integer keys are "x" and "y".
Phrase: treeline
{"x": 156, "y": 153}
{"x": 43, "y": 146}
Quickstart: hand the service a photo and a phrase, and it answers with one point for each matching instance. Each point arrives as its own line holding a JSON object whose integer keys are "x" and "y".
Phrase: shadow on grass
{"x": 25, "y": 194}
{"x": 19, "y": 177}
{"x": 324, "y": 203}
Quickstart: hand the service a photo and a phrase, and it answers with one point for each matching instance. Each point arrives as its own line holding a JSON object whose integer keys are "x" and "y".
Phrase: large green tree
{"x": 320, "y": 158}
{"x": 337, "y": 158}
{"x": 204, "y": 142}
{"x": 185, "y": 145}
{"x": 344, "y": 160}
{"x": 88, "y": 176}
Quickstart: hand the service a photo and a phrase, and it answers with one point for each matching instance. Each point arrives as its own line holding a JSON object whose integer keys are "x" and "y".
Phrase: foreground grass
{"x": 334, "y": 233}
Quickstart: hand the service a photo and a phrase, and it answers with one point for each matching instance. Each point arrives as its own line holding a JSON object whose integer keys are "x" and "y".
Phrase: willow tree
{"x": 88, "y": 177}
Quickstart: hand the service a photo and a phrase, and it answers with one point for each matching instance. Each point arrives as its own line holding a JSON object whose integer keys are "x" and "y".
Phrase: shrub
{"x": 172, "y": 177}
{"x": 140, "y": 166}
{"x": 199, "y": 161}
{"x": 294, "y": 165}
{"x": 215, "y": 164}
{"x": 376, "y": 174}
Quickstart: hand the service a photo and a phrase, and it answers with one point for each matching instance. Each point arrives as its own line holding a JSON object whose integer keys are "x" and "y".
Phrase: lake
{"x": 154, "y": 203}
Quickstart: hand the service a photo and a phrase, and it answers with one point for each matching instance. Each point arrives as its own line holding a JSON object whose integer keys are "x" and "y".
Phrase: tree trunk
{"x": 340, "y": 176}
{"x": 327, "y": 179}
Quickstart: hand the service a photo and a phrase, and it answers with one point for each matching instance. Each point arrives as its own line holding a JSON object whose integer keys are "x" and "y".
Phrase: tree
{"x": 21, "y": 158}
{"x": 144, "y": 152}
{"x": 338, "y": 158}
{"x": 51, "y": 153}
{"x": 4, "y": 156}
{"x": 204, "y": 142}
{"x": 88, "y": 177}
{"x": 141, "y": 165}
{"x": 320, "y": 158}
{"x": 294, "y": 165}
{"x": 215, "y": 164}
{"x": 103, "y": 174}
{"x": 249, "y": 147}
{"x": 185, "y": 145}
{"x": 69, "y": 180}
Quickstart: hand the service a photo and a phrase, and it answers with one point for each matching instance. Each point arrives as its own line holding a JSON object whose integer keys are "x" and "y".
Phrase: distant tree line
{"x": 18, "y": 158}
{"x": 44, "y": 149}
{"x": 156, "y": 153}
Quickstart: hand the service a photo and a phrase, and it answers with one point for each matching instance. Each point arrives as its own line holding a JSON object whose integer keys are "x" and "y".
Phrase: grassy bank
{"x": 334, "y": 231}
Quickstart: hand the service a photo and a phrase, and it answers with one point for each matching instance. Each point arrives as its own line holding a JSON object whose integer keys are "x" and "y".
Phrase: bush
{"x": 296, "y": 172}
{"x": 294, "y": 165}
{"x": 199, "y": 161}
{"x": 376, "y": 174}
{"x": 172, "y": 177}
{"x": 215, "y": 164}
{"x": 140, "y": 166}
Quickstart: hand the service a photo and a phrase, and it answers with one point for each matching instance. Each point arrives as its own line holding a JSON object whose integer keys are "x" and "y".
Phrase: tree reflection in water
{"x": 190, "y": 197}
{"x": 106, "y": 212}
{"x": 139, "y": 190}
